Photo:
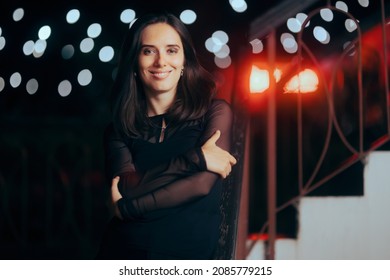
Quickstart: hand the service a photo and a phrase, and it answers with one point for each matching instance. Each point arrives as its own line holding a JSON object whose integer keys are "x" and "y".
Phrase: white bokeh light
{"x": 36, "y": 54}
{"x": 257, "y": 46}
{"x": 223, "y": 52}
{"x": 2, "y": 43}
{"x": 350, "y": 25}
{"x": 238, "y": 5}
{"x": 223, "y": 63}
{"x": 188, "y": 16}
{"x": 32, "y": 86}
{"x": 87, "y": 45}
{"x": 2, "y": 40}
{"x": 18, "y": 14}
{"x": 40, "y": 46}
{"x": 28, "y": 47}
{"x": 84, "y": 77}
{"x": 301, "y": 17}
{"x": 64, "y": 88}
{"x": 221, "y": 36}
{"x": 364, "y": 3}
{"x": 44, "y": 32}
{"x": 341, "y": 6}
{"x": 213, "y": 44}
{"x": 94, "y": 30}
{"x": 2, "y": 84}
{"x": 321, "y": 34}
{"x": 289, "y": 43}
{"x": 294, "y": 25}
{"x": 73, "y": 16}
{"x": 127, "y": 16}
{"x": 106, "y": 54}
{"x": 326, "y": 14}
{"x": 15, "y": 80}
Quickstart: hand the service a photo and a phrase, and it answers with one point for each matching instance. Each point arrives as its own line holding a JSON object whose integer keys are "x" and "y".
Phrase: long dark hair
{"x": 194, "y": 92}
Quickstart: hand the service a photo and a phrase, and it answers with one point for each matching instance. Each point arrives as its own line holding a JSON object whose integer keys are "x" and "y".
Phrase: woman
{"x": 166, "y": 149}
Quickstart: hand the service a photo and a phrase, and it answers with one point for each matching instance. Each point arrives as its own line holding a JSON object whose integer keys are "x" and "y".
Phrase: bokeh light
{"x": 44, "y": 32}
{"x": 321, "y": 34}
{"x": 40, "y": 46}
{"x": 28, "y": 47}
{"x": 127, "y": 16}
{"x": 294, "y": 25}
{"x": 15, "y": 79}
{"x": 301, "y": 17}
{"x": 84, "y": 77}
{"x": 94, "y": 30}
{"x": 73, "y": 16}
{"x": 326, "y": 14}
{"x": 350, "y": 25}
{"x": 223, "y": 63}
{"x": 2, "y": 43}
{"x": 341, "y": 6}
{"x": 306, "y": 81}
{"x": 188, "y": 16}
{"x": 239, "y": 5}
{"x": 106, "y": 54}
{"x": 289, "y": 43}
{"x": 257, "y": 46}
{"x": 67, "y": 52}
{"x": 64, "y": 88}
{"x": 86, "y": 45}
{"x": 364, "y": 3}
{"x": 18, "y": 14}
{"x": 32, "y": 86}
{"x": 258, "y": 80}
{"x": 2, "y": 84}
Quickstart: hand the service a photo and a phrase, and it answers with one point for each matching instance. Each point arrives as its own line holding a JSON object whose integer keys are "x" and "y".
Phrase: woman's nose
{"x": 160, "y": 60}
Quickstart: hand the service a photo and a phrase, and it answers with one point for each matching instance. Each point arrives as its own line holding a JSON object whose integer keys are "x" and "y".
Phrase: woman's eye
{"x": 148, "y": 51}
{"x": 172, "y": 51}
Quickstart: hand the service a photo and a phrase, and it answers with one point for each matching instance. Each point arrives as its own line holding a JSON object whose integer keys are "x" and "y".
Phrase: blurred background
{"x": 324, "y": 64}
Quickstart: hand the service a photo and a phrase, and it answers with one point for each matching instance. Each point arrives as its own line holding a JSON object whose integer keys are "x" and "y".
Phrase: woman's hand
{"x": 115, "y": 196}
{"x": 217, "y": 160}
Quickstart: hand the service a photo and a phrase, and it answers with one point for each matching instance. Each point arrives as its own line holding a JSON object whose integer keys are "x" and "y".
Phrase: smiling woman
{"x": 167, "y": 149}
{"x": 161, "y": 64}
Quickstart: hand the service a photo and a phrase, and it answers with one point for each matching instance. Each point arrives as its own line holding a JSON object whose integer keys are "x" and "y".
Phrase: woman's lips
{"x": 160, "y": 74}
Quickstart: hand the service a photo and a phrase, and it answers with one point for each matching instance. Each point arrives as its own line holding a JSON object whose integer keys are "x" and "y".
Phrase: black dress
{"x": 170, "y": 201}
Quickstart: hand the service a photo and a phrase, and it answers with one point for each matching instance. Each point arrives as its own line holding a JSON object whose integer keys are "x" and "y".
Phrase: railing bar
{"x": 384, "y": 46}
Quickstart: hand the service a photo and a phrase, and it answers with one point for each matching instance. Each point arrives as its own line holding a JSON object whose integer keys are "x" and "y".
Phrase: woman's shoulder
{"x": 218, "y": 104}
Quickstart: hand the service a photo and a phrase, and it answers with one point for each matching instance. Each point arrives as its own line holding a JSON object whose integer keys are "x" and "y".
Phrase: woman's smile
{"x": 160, "y": 74}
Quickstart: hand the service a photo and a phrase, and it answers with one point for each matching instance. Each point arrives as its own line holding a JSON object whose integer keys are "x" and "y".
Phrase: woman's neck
{"x": 159, "y": 104}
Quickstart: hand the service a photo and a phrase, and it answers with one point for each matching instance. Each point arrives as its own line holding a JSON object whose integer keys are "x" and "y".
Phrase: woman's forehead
{"x": 160, "y": 34}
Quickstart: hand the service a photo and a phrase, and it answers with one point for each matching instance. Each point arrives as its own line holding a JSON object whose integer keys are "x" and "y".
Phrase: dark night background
{"x": 53, "y": 195}
{"x": 52, "y": 186}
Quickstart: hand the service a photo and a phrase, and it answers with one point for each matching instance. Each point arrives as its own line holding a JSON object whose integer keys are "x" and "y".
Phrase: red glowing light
{"x": 305, "y": 82}
{"x": 259, "y": 80}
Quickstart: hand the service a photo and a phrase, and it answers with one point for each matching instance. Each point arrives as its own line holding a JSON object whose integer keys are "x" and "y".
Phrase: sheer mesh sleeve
{"x": 189, "y": 188}
{"x": 119, "y": 162}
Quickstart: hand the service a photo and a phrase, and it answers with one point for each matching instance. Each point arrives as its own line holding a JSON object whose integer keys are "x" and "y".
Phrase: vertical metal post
{"x": 242, "y": 231}
{"x": 271, "y": 150}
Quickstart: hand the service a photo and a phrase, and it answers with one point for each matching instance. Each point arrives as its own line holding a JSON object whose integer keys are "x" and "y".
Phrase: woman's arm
{"x": 218, "y": 161}
{"x": 119, "y": 162}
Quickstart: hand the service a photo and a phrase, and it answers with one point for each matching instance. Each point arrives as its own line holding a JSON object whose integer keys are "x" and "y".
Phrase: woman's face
{"x": 161, "y": 59}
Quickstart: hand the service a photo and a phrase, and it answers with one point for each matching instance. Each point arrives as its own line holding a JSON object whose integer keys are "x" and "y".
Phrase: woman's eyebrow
{"x": 153, "y": 46}
{"x": 174, "y": 45}
{"x": 147, "y": 46}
